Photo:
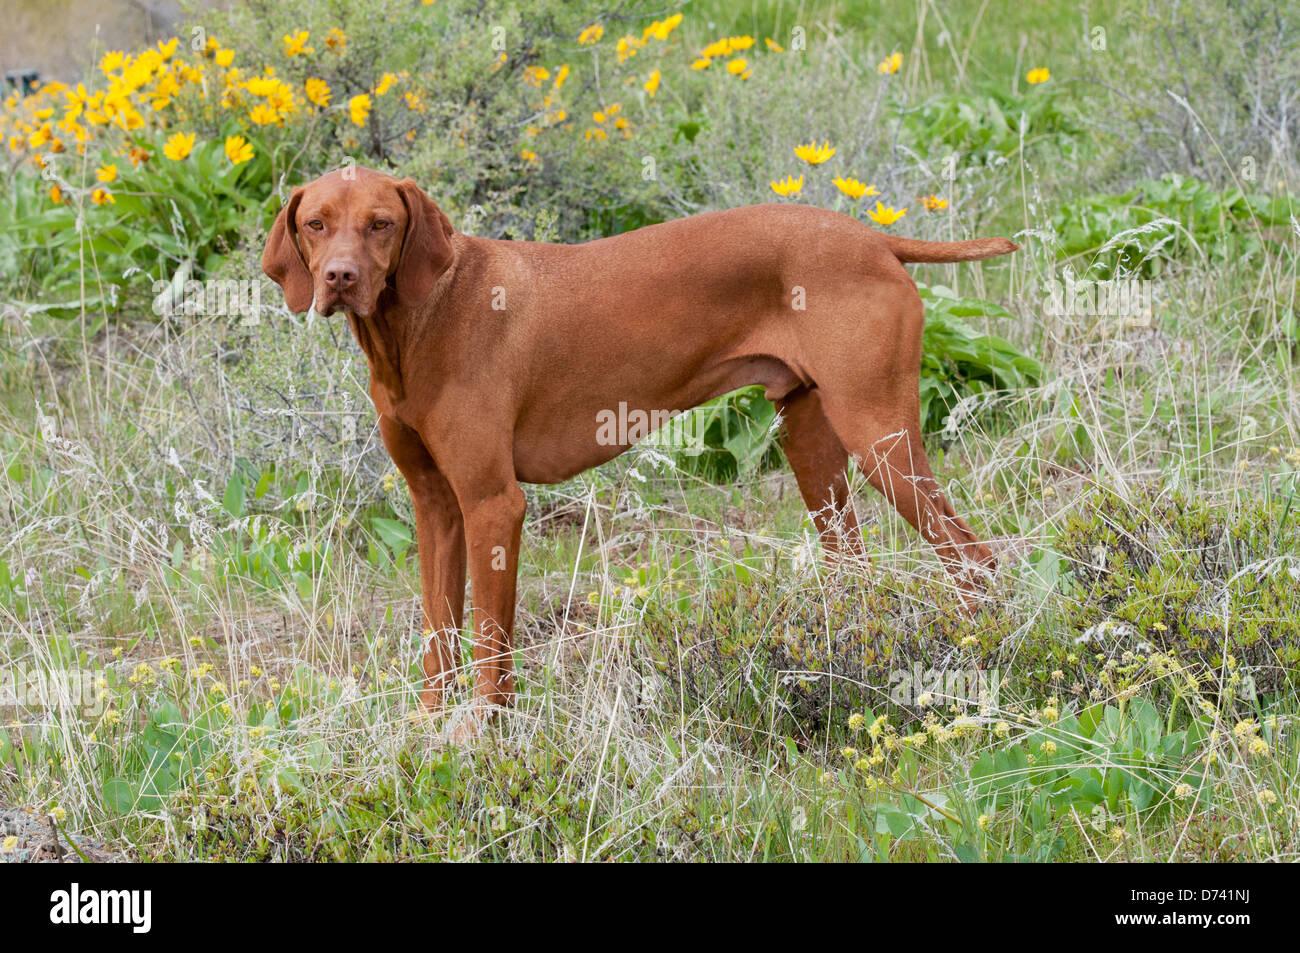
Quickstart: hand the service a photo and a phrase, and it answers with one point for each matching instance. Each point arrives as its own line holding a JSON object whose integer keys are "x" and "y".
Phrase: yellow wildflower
{"x": 885, "y": 214}
{"x": 592, "y": 34}
{"x": 318, "y": 92}
{"x": 890, "y": 65}
{"x": 179, "y": 146}
{"x": 853, "y": 188}
{"x": 814, "y": 154}
{"x": 238, "y": 149}
{"x": 790, "y": 186}
{"x": 107, "y": 173}
{"x": 359, "y": 109}
{"x": 1039, "y": 75}
{"x": 295, "y": 44}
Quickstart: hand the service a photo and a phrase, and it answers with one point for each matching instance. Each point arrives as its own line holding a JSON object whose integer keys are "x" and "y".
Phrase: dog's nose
{"x": 340, "y": 274}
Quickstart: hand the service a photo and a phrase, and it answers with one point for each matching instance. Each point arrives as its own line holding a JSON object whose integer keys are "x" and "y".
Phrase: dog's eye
{"x": 315, "y": 225}
{"x": 381, "y": 224}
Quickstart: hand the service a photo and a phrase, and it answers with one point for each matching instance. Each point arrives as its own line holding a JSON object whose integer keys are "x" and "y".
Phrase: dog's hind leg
{"x": 820, "y": 464}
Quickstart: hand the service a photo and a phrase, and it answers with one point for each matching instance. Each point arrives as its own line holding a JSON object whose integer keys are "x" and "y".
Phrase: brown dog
{"x": 492, "y": 362}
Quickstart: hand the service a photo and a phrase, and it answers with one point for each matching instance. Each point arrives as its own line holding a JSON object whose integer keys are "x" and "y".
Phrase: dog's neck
{"x": 380, "y": 336}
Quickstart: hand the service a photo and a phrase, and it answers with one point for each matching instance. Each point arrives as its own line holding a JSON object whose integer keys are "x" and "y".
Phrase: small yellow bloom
{"x": 295, "y": 44}
{"x": 535, "y": 75}
{"x": 359, "y": 109}
{"x": 774, "y": 46}
{"x": 853, "y": 188}
{"x": 107, "y": 173}
{"x": 56, "y": 195}
{"x": 318, "y": 92}
{"x": 933, "y": 203}
{"x": 225, "y": 57}
{"x": 179, "y": 146}
{"x": 737, "y": 66}
{"x": 336, "y": 40}
{"x": 890, "y": 64}
{"x": 627, "y": 47}
{"x": 702, "y": 63}
{"x": 238, "y": 149}
{"x": 561, "y": 75}
{"x": 263, "y": 115}
{"x": 1039, "y": 75}
{"x": 652, "y": 84}
{"x": 885, "y": 214}
{"x": 790, "y": 186}
{"x": 386, "y": 83}
{"x": 592, "y": 34}
{"x": 814, "y": 154}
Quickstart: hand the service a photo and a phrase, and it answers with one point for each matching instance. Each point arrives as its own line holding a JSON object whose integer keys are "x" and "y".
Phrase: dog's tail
{"x": 909, "y": 249}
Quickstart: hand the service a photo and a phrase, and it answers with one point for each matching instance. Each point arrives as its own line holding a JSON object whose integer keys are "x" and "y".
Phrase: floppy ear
{"x": 282, "y": 260}
{"x": 426, "y": 248}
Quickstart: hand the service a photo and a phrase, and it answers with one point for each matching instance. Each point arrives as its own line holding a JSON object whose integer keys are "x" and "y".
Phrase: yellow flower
{"x": 561, "y": 75}
{"x": 1039, "y": 75}
{"x": 814, "y": 154}
{"x": 107, "y": 173}
{"x": 263, "y": 115}
{"x": 592, "y": 34}
{"x": 652, "y": 84}
{"x": 790, "y": 186}
{"x": 885, "y": 214}
{"x": 225, "y": 57}
{"x": 853, "y": 188}
{"x": 137, "y": 155}
{"x": 112, "y": 60}
{"x": 238, "y": 149}
{"x": 702, "y": 63}
{"x": 529, "y": 156}
{"x": 386, "y": 83}
{"x": 933, "y": 203}
{"x": 660, "y": 29}
{"x": 296, "y": 43}
{"x": 318, "y": 92}
{"x": 890, "y": 64}
{"x": 336, "y": 40}
{"x": 737, "y": 66}
{"x": 102, "y": 197}
{"x": 774, "y": 46}
{"x": 56, "y": 195}
{"x": 359, "y": 109}
{"x": 179, "y": 146}
{"x": 627, "y": 47}
{"x": 535, "y": 75}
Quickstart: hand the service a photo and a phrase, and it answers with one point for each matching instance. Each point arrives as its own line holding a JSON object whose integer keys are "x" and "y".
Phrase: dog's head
{"x": 341, "y": 241}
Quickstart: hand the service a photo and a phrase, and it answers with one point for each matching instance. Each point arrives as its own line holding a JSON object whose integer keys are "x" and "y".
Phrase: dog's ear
{"x": 282, "y": 260}
{"x": 426, "y": 248}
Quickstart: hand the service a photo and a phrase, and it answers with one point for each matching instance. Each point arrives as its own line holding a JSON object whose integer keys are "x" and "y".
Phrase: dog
{"x": 491, "y": 363}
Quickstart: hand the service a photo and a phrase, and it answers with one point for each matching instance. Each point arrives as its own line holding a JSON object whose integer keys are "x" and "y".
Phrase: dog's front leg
{"x": 440, "y": 535}
{"x": 494, "y": 520}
